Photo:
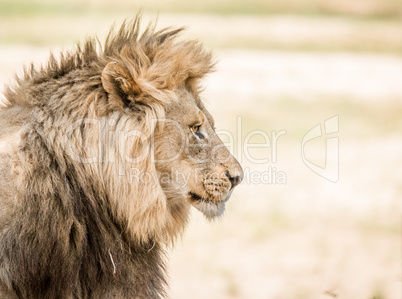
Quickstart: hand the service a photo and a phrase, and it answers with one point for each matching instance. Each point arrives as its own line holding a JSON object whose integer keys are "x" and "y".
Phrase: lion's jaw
{"x": 209, "y": 208}
{"x": 202, "y": 190}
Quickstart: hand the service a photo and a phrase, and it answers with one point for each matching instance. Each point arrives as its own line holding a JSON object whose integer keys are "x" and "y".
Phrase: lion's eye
{"x": 195, "y": 128}
{"x": 197, "y": 132}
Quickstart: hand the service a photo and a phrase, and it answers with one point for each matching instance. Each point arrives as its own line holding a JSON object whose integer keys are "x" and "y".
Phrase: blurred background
{"x": 321, "y": 220}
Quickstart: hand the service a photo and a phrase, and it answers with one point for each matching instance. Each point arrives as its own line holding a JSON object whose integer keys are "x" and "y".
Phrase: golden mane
{"x": 71, "y": 89}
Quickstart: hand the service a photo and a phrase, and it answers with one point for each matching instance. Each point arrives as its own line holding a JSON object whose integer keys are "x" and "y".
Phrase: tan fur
{"x": 76, "y": 141}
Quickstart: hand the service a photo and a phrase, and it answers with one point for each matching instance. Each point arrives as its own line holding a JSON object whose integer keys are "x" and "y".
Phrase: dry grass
{"x": 357, "y": 8}
{"x": 284, "y": 32}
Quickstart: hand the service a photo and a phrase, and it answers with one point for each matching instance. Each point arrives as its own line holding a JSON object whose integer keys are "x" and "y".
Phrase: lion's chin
{"x": 211, "y": 209}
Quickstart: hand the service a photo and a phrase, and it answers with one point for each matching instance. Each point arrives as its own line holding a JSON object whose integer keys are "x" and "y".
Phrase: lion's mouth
{"x": 198, "y": 198}
{"x": 210, "y": 208}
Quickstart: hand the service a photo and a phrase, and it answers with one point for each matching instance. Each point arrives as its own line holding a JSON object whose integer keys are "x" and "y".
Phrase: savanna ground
{"x": 283, "y": 66}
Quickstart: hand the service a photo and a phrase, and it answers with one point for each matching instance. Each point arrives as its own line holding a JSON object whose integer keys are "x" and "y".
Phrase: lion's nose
{"x": 234, "y": 180}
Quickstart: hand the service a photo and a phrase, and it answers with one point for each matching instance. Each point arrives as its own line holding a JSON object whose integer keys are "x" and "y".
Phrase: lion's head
{"x": 155, "y": 82}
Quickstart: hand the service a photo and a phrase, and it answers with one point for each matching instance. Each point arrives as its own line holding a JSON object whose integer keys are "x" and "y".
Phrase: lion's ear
{"x": 116, "y": 79}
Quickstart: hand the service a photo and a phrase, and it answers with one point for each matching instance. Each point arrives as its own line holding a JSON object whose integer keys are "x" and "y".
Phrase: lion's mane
{"x": 72, "y": 224}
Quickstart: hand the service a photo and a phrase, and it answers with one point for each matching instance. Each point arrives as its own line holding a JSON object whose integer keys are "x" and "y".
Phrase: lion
{"x": 103, "y": 151}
